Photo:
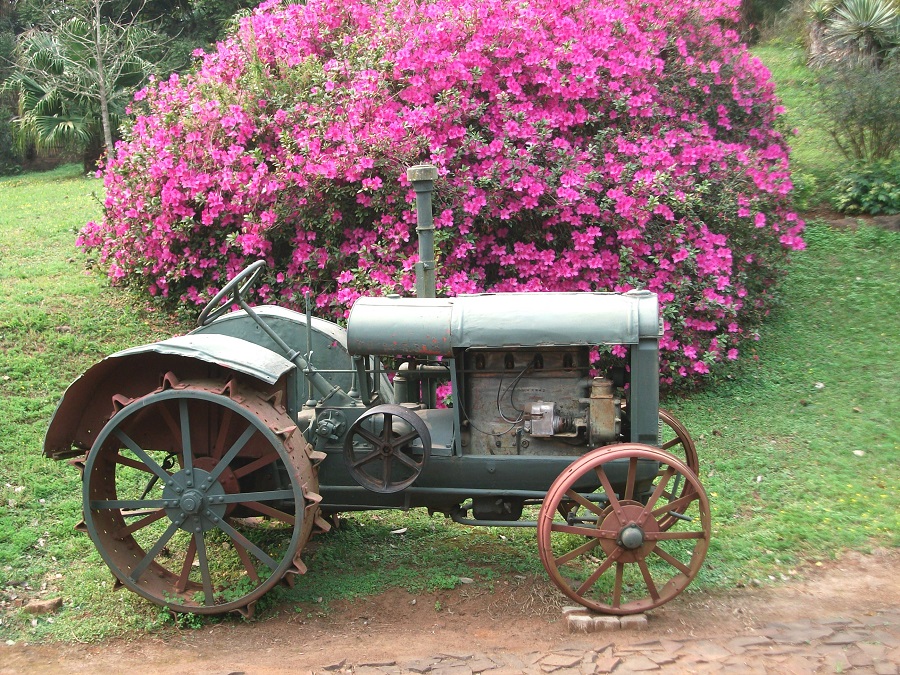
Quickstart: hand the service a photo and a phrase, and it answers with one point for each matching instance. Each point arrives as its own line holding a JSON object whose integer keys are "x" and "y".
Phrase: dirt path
{"x": 844, "y": 617}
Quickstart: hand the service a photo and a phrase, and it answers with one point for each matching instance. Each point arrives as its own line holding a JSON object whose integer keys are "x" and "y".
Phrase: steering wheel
{"x": 235, "y": 288}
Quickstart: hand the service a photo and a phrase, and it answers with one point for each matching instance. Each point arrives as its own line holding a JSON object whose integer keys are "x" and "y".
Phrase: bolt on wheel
{"x": 635, "y": 543}
{"x": 200, "y": 501}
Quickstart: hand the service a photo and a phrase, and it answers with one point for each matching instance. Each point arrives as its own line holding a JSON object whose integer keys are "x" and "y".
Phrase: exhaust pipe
{"x": 422, "y": 178}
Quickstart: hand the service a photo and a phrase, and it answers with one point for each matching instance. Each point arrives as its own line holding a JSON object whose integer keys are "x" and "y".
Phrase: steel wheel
{"x": 381, "y": 450}
{"x": 616, "y": 557}
{"x": 173, "y": 482}
{"x": 675, "y": 439}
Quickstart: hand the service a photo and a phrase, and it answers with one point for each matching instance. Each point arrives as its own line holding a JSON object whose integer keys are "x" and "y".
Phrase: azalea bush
{"x": 581, "y": 145}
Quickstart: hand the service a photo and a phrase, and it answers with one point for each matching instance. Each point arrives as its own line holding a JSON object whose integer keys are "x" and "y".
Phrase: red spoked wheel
{"x": 675, "y": 439}
{"x": 634, "y": 543}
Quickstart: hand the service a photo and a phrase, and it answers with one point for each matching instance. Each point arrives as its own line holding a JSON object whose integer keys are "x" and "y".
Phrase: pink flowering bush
{"x": 581, "y": 145}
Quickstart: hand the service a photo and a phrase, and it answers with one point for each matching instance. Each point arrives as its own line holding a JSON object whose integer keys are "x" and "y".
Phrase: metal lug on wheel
{"x": 174, "y": 563}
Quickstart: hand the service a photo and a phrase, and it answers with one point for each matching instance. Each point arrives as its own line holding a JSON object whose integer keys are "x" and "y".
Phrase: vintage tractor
{"x": 209, "y": 459}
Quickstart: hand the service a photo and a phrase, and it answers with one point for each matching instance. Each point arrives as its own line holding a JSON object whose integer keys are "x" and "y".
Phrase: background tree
{"x": 75, "y": 77}
{"x": 67, "y": 70}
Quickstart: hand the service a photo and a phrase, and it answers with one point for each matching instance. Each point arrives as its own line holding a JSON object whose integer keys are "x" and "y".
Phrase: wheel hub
{"x": 631, "y": 540}
{"x": 194, "y": 500}
{"x": 191, "y": 502}
{"x": 631, "y": 537}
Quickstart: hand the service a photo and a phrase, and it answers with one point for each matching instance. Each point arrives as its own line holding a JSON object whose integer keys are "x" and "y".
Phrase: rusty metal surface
{"x": 236, "y": 456}
{"x": 605, "y": 412}
{"x": 87, "y": 403}
{"x": 610, "y": 549}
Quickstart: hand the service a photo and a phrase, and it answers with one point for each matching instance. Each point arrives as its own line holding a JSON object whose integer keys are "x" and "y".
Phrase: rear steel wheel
{"x": 200, "y": 498}
{"x": 617, "y": 557}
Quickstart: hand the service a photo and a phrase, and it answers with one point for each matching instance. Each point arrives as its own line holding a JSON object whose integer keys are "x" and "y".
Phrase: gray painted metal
{"x": 328, "y": 341}
{"x": 424, "y": 326}
{"x": 422, "y": 178}
{"x": 224, "y": 350}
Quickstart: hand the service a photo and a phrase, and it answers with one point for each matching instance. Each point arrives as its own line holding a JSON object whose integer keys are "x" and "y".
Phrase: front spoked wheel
{"x": 198, "y": 499}
{"x": 635, "y": 543}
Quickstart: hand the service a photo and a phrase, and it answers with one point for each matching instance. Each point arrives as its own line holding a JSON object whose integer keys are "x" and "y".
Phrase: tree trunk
{"x": 103, "y": 90}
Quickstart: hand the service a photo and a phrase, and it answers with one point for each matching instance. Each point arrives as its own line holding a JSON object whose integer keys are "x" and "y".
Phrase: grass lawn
{"x": 800, "y": 450}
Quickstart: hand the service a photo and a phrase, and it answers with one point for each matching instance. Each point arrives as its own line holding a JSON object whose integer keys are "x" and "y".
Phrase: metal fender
{"x": 92, "y": 399}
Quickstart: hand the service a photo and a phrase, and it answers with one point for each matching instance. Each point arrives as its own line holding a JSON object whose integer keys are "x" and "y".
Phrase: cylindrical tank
{"x": 437, "y": 326}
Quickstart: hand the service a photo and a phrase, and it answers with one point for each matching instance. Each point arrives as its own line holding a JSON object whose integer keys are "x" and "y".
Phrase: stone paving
{"x": 868, "y": 644}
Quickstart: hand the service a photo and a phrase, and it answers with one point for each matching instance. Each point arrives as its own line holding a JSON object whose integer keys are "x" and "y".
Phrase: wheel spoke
{"x": 151, "y": 556}
{"x": 605, "y": 565}
{"x": 249, "y": 545}
{"x": 648, "y": 579}
{"x": 123, "y": 532}
{"x": 245, "y": 559}
{"x": 387, "y": 430}
{"x": 592, "y": 532}
{"x": 255, "y": 465}
{"x": 672, "y": 560}
{"x": 370, "y": 438}
{"x": 575, "y": 552}
{"x": 224, "y": 426}
{"x": 657, "y": 493}
{"x": 671, "y": 444}
{"x": 183, "y": 578}
{"x": 617, "y": 585}
{"x": 232, "y": 452}
{"x": 186, "y": 453}
{"x": 586, "y": 503}
{"x": 400, "y": 441}
{"x": 269, "y": 511}
{"x": 269, "y": 496}
{"x": 629, "y": 481}
{"x": 408, "y": 461}
{"x": 375, "y": 454}
{"x": 143, "y": 456}
{"x": 133, "y": 463}
{"x": 386, "y": 471}
{"x": 667, "y": 536}
{"x": 679, "y": 505}
{"x": 610, "y": 493}
{"x": 104, "y": 504}
{"x": 204, "y": 569}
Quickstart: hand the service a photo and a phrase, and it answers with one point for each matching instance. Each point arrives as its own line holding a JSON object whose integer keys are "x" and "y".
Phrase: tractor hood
{"x": 437, "y": 326}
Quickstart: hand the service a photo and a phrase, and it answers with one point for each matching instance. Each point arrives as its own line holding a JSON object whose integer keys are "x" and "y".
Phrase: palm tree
{"x": 75, "y": 80}
{"x": 851, "y": 33}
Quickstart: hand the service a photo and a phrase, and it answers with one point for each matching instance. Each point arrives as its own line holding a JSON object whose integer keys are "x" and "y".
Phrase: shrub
{"x": 860, "y": 105}
{"x": 581, "y": 146}
{"x": 869, "y": 188}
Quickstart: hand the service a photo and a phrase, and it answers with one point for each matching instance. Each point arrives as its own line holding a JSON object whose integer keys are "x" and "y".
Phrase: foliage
{"x": 814, "y": 156}
{"x": 74, "y": 79}
{"x": 580, "y": 146}
{"x": 860, "y": 108}
{"x": 869, "y": 188}
{"x": 853, "y": 33}
{"x": 777, "y": 452}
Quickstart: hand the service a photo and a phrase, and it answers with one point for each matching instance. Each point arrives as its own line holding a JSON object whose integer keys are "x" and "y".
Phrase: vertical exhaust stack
{"x": 422, "y": 178}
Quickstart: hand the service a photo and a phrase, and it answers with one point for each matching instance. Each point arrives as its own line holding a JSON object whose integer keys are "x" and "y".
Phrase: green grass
{"x": 796, "y": 472}
{"x": 815, "y": 158}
